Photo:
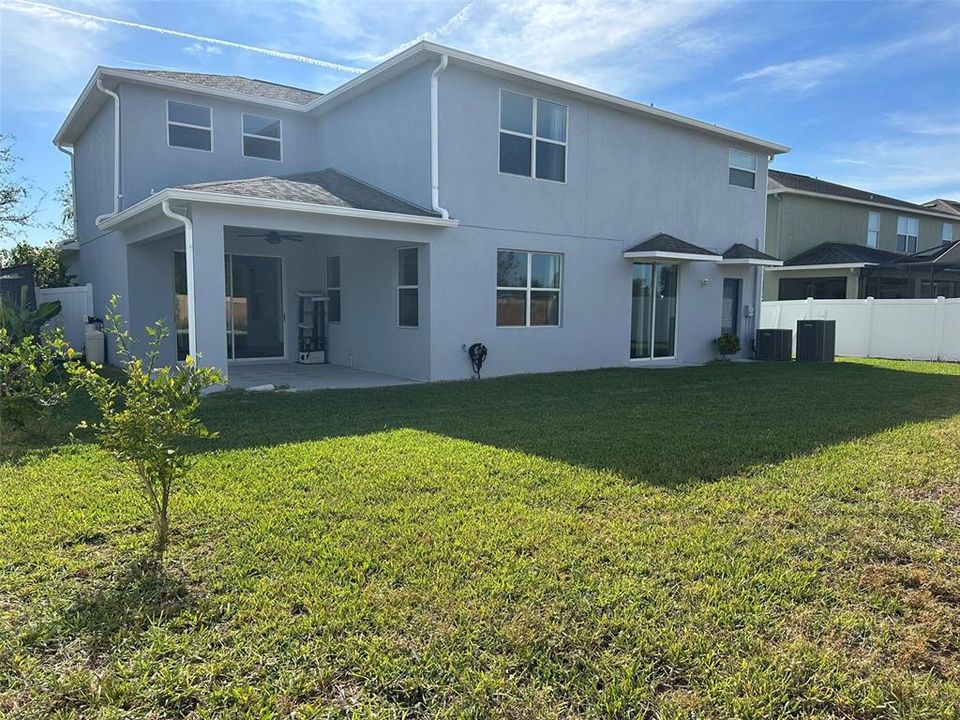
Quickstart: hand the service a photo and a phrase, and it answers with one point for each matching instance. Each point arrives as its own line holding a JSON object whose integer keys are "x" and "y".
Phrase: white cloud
{"x": 799, "y": 75}
{"x": 199, "y": 49}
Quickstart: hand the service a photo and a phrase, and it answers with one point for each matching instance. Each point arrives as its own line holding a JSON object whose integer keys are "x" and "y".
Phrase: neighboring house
{"x": 951, "y": 207}
{"x": 841, "y": 242}
{"x": 439, "y": 200}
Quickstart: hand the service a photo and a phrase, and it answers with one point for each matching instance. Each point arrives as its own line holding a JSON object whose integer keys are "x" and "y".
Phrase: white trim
{"x": 855, "y": 201}
{"x": 751, "y": 261}
{"x": 215, "y": 198}
{"x": 170, "y": 122}
{"x": 829, "y": 266}
{"x": 408, "y": 58}
{"x": 407, "y": 287}
{"x": 664, "y": 255}
{"x": 244, "y": 135}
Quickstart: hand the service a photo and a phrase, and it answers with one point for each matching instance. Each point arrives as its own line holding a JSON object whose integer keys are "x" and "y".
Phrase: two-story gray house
{"x": 842, "y": 242}
{"x": 438, "y": 200}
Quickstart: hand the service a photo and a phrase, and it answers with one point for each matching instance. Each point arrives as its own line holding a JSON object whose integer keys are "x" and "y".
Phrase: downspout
{"x": 435, "y": 138}
{"x": 116, "y": 151}
{"x": 73, "y": 186}
{"x": 191, "y": 295}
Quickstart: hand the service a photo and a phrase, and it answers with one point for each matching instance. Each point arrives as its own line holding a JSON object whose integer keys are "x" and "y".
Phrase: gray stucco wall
{"x": 383, "y": 136}
{"x": 93, "y": 154}
{"x": 796, "y": 223}
{"x": 150, "y": 164}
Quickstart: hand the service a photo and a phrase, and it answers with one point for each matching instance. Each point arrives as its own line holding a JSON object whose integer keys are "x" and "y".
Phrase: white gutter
{"x": 435, "y": 138}
{"x": 191, "y": 295}
{"x": 116, "y": 152}
{"x": 73, "y": 186}
{"x": 664, "y": 255}
{"x": 827, "y": 266}
{"x": 247, "y": 201}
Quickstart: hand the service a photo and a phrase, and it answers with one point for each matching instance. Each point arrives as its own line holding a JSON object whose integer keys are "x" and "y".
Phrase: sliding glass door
{"x": 254, "y": 286}
{"x": 254, "y": 306}
{"x": 653, "y": 322}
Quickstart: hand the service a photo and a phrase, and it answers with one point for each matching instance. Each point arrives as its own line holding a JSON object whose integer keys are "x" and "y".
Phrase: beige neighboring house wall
{"x": 771, "y": 280}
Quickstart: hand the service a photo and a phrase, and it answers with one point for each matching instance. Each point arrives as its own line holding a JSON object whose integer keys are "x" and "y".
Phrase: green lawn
{"x": 736, "y": 540}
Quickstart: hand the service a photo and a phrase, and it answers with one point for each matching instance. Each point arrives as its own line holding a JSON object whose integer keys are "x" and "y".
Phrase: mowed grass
{"x": 736, "y": 540}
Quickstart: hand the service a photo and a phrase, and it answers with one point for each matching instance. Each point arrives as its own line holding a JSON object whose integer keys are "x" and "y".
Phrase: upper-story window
{"x": 946, "y": 235}
{"x": 189, "y": 126}
{"x": 262, "y": 137}
{"x": 873, "y": 229}
{"x": 533, "y": 137}
{"x": 743, "y": 169}
{"x": 908, "y": 229}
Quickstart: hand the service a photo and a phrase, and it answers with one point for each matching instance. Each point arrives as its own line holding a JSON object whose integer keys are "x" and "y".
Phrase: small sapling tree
{"x": 146, "y": 414}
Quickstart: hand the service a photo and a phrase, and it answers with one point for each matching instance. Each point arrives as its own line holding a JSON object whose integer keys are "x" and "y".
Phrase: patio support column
{"x": 207, "y": 297}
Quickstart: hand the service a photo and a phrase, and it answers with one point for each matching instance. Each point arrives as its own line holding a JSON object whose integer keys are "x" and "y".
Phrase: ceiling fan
{"x": 273, "y": 237}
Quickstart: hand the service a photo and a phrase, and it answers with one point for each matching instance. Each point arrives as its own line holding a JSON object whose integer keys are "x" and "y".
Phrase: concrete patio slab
{"x": 291, "y": 376}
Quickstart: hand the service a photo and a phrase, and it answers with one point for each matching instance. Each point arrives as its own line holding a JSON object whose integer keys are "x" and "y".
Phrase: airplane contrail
{"x": 190, "y": 36}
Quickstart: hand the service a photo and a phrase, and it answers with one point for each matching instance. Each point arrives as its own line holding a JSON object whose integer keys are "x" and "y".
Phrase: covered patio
{"x": 281, "y": 375}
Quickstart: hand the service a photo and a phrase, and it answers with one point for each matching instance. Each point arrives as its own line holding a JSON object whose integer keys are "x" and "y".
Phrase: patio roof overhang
{"x": 669, "y": 249}
{"x": 826, "y": 266}
{"x": 151, "y": 207}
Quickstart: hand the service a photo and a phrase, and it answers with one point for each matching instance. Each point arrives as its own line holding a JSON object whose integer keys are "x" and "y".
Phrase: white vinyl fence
{"x": 898, "y": 329}
{"x": 77, "y": 305}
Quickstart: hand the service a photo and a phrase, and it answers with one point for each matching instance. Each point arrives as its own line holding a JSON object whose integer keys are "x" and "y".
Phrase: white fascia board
{"x": 752, "y": 261}
{"x": 662, "y": 255}
{"x": 866, "y": 203}
{"x": 829, "y": 266}
{"x": 267, "y": 204}
{"x": 75, "y": 110}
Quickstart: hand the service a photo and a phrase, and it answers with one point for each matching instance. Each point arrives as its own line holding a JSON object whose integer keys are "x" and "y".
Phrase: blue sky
{"x": 867, "y": 94}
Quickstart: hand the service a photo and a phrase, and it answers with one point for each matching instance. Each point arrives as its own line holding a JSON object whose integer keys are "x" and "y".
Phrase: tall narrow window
{"x": 653, "y": 317}
{"x": 533, "y": 137}
{"x": 408, "y": 287}
{"x": 946, "y": 235}
{"x": 730, "y": 309}
{"x": 743, "y": 169}
{"x": 333, "y": 288}
{"x": 908, "y": 229}
{"x": 189, "y": 126}
{"x": 262, "y": 137}
{"x": 528, "y": 288}
{"x": 873, "y": 229}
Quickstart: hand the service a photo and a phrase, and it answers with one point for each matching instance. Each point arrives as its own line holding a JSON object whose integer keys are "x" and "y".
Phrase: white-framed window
{"x": 262, "y": 137}
{"x": 333, "y": 288}
{"x": 528, "y": 288}
{"x": 743, "y": 170}
{"x": 946, "y": 234}
{"x": 908, "y": 228}
{"x": 408, "y": 287}
{"x": 873, "y": 229}
{"x": 189, "y": 126}
{"x": 533, "y": 137}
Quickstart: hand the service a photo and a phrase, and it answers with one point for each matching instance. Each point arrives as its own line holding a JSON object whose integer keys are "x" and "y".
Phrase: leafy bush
{"x": 21, "y": 322}
{"x": 49, "y": 269}
{"x": 727, "y": 344}
{"x": 32, "y": 382}
{"x": 146, "y": 414}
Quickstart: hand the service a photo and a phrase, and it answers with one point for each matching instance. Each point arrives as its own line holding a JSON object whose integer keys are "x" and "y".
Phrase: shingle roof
{"x": 739, "y": 251}
{"x": 777, "y": 179}
{"x": 668, "y": 243}
{"x": 833, "y": 253}
{"x": 326, "y": 187}
{"x": 943, "y": 205}
{"x": 237, "y": 84}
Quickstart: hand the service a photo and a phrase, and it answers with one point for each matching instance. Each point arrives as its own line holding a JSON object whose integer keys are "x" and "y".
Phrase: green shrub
{"x": 32, "y": 381}
{"x": 727, "y": 344}
{"x": 146, "y": 414}
{"x": 20, "y": 321}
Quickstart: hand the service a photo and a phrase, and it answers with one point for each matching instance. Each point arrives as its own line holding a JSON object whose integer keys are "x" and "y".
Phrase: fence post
{"x": 869, "y": 327}
{"x": 938, "y": 322}
{"x": 809, "y": 310}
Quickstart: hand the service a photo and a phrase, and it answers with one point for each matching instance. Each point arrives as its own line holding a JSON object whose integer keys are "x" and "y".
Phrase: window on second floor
{"x": 533, "y": 137}
{"x": 946, "y": 235}
{"x": 873, "y": 229}
{"x": 908, "y": 229}
{"x": 743, "y": 169}
{"x": 189, "y": 126}
{"x": 262, "y": 137}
